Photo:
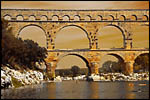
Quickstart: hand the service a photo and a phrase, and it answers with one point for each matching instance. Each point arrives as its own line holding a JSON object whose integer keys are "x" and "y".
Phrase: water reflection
{"x": 130, "y": 87}
{"x": 80, "y": 90}
{"x": 94, "y": 88}
{"x": 51, "y": 87}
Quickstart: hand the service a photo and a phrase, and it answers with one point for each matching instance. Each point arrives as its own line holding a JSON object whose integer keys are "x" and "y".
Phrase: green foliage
{"x": 75, "y": 70}
{"x": 64, "y": 72}
{"x": 111, "y": 66}
{"x": 69, "y": 72}
{"x": 17, "y": 52}
{"x": 142, "y": 63}
{"x": 83, "y": 71}
{"x": 16, "y": 83}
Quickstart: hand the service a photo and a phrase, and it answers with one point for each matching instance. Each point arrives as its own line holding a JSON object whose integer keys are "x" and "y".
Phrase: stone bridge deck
{"x": 126, "y": 57}
{"x": 86, "y": 53}
{"x": 92, "y": 15}
{"x": 99, "y": 50}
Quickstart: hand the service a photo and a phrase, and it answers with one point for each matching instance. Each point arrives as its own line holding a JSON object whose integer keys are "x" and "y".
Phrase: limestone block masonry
{"x": 90, "y": 21}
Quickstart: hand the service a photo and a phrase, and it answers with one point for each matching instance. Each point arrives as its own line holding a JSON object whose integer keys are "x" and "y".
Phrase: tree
{"x": 17, "y": 52}
{"x": 75, "y": 70}
{"x": 142, "y": 63}
{"x": 111, "y": 66}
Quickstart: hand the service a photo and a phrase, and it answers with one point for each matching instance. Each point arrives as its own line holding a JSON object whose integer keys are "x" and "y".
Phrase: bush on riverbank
{"x": 16, "y": 82}
{"x": 69, "y": 72}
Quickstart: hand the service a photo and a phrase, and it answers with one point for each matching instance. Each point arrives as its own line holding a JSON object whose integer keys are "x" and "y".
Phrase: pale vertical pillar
{"x": 129, "y": 67}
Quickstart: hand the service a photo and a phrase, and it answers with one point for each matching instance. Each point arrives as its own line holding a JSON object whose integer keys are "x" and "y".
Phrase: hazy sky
{"x": 73, "y": 37}
{"x": 77, "y": 4}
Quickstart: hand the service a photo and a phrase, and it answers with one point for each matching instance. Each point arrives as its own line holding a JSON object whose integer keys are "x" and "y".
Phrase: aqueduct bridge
{"x": 90, "y": 21}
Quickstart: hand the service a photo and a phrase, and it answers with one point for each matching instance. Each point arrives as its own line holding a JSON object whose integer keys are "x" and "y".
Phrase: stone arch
{"x": 66, "y": 18}
{"x": 119, "y": 56}
{"x": 19, "y": 17}
{"x": 145, "y": 18}
{"x": 140, "y": 64}
{"x": 114, "y": 57}
{"x": 32, "y": 18}
{"x": 121, "y": 29}
{"x": 133, "y": 18}
{"x": 55, "y": 18}
{"x": 32, "y": 25}
{"x": 139, "y": 54}
{"x": 36, "y": 26}
{"x": 7, "y": 17}
{"x": 75, "y": 54}
{"x": 77, "y": 18}
{"x": 77, "y": 27}
{"x": 99, "y": 18}
{"x": 110, "y": 18}
{"x": 44, "y": 18}
{"x": 87, "y": 18}
{"x": 118, "y": 27}
{"x": 122, "y": 18}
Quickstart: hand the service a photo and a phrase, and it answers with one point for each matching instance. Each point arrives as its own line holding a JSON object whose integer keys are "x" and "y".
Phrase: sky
{"x": 76, "y": 4}
{"x": 73, "y": 37}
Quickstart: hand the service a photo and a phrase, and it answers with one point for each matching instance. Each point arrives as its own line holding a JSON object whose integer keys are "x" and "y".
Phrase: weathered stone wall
{"x": 93, "y": 57}
{"x": 93, "y": 15}
{"x": 90, "y": 21}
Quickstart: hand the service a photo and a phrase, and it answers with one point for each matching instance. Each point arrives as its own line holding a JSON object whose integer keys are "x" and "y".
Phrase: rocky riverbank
{"x": 119, "y": 77}
{"x": 109, "y": 77}
{"x": 11, "y": 78}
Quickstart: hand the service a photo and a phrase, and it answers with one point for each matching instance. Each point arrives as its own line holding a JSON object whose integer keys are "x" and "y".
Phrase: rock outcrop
{"x": 12, "y": 78}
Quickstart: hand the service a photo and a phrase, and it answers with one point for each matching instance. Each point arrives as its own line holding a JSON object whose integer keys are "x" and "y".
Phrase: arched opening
{"x": 71, "y": 37}
{"x": 110, "y": 36}
{"x": 110, "y": 18}
{"x": 111, "y": 63}
{"x": 145, "y": 18}
{"x": 66, "y": 18}
{"x": 67, "y": 62}
{"x": 99, "y": 18}
{"x": 44, "y": 18}
{"x": 133, "y": 18}
{"x": 122, "y": 18}
{"x": 19, "y": 18}
{"x": 76, "y": 18}
{"x": 55, "y": 18}
{"x": 141, "y": 63}
{"x": 35, "y": 33}
{"x": 87, "y": 18}
{"x": 7, "y": 17}
{"x": 32, "y": 18}
{"x": 140, "y": 37}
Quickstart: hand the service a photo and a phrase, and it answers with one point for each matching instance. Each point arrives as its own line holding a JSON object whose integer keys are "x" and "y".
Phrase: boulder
{"x": 58, "y": 79}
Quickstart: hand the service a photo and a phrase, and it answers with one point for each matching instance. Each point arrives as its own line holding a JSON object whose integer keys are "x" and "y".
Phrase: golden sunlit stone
{"x": 89, "y": 27}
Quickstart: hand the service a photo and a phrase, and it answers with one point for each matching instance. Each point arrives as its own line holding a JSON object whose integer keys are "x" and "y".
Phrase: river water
{"x": 80, "y": 90}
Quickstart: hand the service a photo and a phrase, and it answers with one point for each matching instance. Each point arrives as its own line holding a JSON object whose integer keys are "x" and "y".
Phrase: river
{"x": 80, "y": 90}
